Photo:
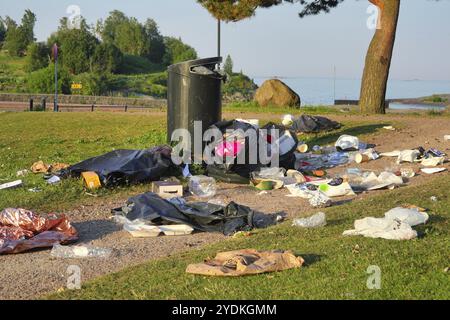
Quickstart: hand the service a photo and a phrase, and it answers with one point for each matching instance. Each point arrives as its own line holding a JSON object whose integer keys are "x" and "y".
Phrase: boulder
{"x": 277, "y": 93}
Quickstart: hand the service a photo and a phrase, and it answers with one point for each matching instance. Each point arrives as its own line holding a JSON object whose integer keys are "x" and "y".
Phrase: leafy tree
{"x": 107, "y": 58}
{"x": 2, "y": 31}
{"x": 125, "y": 33}
{"x": 155, "y": 47}
{"x": 43, "y": 81}
{"x": 77, "y": 46}
{"x": 18, "y": 37}
{"x": 27, "y": 27}
{"x": 132, "y": 37}
{"x": 379, "y": 55}
{"x": 177, "y": 51}
{"x": 38, "y": 56}
{"x": 228, "y": 66}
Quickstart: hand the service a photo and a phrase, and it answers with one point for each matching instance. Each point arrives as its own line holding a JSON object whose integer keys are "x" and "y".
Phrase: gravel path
{"x": 33, "y": 274}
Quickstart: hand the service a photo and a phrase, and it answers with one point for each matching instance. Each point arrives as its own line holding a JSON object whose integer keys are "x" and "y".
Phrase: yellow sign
{"x": 77, "y": 86}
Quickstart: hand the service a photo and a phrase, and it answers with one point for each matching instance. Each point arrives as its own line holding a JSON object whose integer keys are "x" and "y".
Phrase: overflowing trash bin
{"x": 194, "y": 94}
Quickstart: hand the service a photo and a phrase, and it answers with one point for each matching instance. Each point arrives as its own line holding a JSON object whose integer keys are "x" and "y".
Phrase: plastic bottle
{"x": 66, "y": 252}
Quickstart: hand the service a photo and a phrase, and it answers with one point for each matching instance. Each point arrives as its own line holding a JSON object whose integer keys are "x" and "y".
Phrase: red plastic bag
{"x": 22, "y": 230}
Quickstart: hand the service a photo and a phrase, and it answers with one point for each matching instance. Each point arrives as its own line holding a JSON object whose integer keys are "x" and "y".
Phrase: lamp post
{"x": 55, "y": 56}
{"x": 218, "y": 37}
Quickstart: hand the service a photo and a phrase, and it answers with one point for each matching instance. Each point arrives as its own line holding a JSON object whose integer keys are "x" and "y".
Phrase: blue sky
{"x": 276, "y": 41}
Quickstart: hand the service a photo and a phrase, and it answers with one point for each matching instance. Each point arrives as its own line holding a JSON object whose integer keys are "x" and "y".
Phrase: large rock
{"x": 276, "y": 93}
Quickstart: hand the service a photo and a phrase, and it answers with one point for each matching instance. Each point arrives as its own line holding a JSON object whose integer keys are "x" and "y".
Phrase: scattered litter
{"x": 433, "y": 161}
{"x": 22, "y": 173}
{"x": 149, "y": 208}
{"x": 186, "y": 172}
{"x": 314, "y": 124}
{"x": 396, "y": 225}
{"x": 391, "y": 128}
{"x": 35, "y": 190}
{"x": 298, "y": 176}
{"x": 288, "y": 120}
{"x": 366, "y": 156}
{"x": 302, "y": 148}
{"x": 11, "y": 185}
{"x": 369, "y": 181}
{"x": 242, "y": 234}
{"x": 167, "y": 189}
{"x": 79, "y": 251}
{"x": 141, "y": 230}
{"x": 22, "y": 230}
{"x": 122, "y": 167}
{"x": 176, "y": 229}
{"x": 41, "y": 167}
{"x": 433, "y": 170}
{"x": 347, "y": 143}
{"x": 202, "y": 186}
{"x": 91, "y": 180}
{"x": 54, "y": 180}
{"x": 315, "y": 221}
{"x": 320, "y": 200}
{"x": 408, "y": 156}
{"x": 246, "y": 262}
{"x": 262, "y": 193}
{"x": 407, "y": 173}
{"x": 434, "y": 199}
{"x": 447, "y": 137}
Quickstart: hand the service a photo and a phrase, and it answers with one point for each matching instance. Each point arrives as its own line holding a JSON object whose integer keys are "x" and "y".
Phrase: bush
{"x": 43, "y": 81}
{"x": 107, "y": 58}
{"x": 239, "y": 83}
{"x": 93, "y": 84}
{"x": 38, "y": 56}
{"x": 177, "y": 51}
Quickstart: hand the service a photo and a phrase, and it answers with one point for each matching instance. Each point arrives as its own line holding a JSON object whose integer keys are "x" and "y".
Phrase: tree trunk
{"x": 378, "y": 58}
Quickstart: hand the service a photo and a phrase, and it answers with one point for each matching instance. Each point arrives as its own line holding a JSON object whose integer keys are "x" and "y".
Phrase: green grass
{"x": 336, "y": 266}
{"x": 253, "y": 107}
{"x": 12, "y": 73}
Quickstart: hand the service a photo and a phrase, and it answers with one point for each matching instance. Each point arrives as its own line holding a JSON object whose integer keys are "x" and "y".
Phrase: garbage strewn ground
{"x": 274, "y": 201}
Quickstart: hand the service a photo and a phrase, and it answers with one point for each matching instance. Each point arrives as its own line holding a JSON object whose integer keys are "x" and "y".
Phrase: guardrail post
{"x": 92, "y": 108}
{"x": 126, "y": 108}
{"x": 44, "y": 104}
{"x": 31, "y": 104}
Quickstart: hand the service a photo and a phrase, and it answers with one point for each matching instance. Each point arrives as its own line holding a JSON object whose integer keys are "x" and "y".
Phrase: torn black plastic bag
{"x": 201, "y": 216}
{"x": 314, "y": 124}
{"x": 122, "y": 167}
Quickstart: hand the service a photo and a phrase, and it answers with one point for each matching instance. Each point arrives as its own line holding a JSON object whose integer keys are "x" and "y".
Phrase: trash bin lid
{"x": 184, "y": 68}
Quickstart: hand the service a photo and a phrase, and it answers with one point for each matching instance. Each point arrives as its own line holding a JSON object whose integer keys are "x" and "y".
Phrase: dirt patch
{"x": 33, "y": 274}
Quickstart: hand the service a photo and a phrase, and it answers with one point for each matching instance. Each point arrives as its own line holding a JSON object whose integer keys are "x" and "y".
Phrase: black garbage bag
{"x": 121, "y": 167}
{"x": 314, "y": 124}
{"x": 201, "y": 216}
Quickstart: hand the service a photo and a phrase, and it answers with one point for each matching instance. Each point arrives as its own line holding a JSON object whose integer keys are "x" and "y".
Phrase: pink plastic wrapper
{"x": 22, "y": 230}
{"x": 228, "y": 149}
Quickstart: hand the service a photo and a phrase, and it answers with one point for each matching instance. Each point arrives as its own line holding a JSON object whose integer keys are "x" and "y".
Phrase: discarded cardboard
{"x": 246, "y": 262}
{"x": 167, "y": 189}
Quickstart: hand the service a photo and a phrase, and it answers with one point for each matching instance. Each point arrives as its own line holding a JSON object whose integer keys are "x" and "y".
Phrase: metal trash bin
{"x": 194, "y": 94}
